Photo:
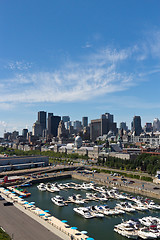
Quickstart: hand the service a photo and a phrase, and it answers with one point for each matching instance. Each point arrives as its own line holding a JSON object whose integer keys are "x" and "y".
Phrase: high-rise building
{"x": 42, "y": 119}
{"x": 37, "y": 129}
{"x": 137, "y": 128}
{"x": 53, "y": 122}
{"x": 24, "y": 132}
{"x": 156, "y": 125}
{"x": 99, "y": 127}
{"x": 77, "y": 125}
{"x": 65, "y": 119}
{"x": 84, "y": 121}
{"x": 123, "y": 126}
{"x": 148, "y": 127}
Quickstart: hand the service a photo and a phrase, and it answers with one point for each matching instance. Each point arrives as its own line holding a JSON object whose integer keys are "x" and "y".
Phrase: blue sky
{"x": 78, "y": 58}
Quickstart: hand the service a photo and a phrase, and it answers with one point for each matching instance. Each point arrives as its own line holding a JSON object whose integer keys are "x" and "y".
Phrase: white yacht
{"x": 148, "y": 221}
{"x": 138, "y": 206}
{"x": 145, "y": 233}
{"x": 76, "y": 199}
{"x": 61, "y": 186}
{"x": 90, "y": 196}
{"x": 42, "y": 187}
{"x": 94, "y": 211}
{"x": 86, "y": 186}
{"x": 125, "y": 207}
{"x": 58, "y": 200}
{"x": 126, "y": 230}
{"x": 151, "y": 205}
{"x": 55, "y": 188}
{"x": 84, "y": 212}
{"x": 103, "y": 197}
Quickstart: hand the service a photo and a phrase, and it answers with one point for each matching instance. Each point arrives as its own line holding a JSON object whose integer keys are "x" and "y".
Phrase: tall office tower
{"x": 137, "y": 128}
{"x": 156, "y": 125}
{"x": 37, "y": 129}
{"x": 24, "y": 132}
{"x": 99, "y": 127}
{"x": 65, "y": 119}
{"x": 53, "y": 122}
{"x": 42, "y": 119}
{"x": 14, "y": 135}
{"x": 49, "y": 121}
{"x": 148, "y": 127}
{"x": 77, "y": 125}
{"x": 123, "y": 126}
{"x": 84, "y": 121}
{"x": 62, "y": 132}
{"x": 67, "y": 124}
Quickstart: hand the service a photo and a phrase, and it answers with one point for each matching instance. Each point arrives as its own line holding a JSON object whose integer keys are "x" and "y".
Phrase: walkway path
{"x": 21, "y": 227}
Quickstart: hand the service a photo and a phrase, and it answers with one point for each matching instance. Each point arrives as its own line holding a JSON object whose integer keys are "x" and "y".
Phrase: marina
{"x": 82, "y": 215}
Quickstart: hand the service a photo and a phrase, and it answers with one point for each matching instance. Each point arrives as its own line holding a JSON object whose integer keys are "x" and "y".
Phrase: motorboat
{"x": 155, "y": 230}
{"x": 61, "y": 186}
{"x": 104, "y": 209}
{"x": 103, "y": 197}
{"x": 94, "y": 211}
{"x": 49, "y": 187}
{"x": 90, "y": 196}
{"x": 54, "y": 187}
{"x": 86, "y": 186}
{"x": 84, "y": 212}
{"x": 126, "y": 230}
{"x": 148, "y": 221}
{"x": 58, "y": 200}
{"x": 76, "y": 199}
{"x": 138, "y": 206}
{"x": 125, "y": 207}
{"x": 145, "y": 233}
{"x": 42, "y": 187}
{"x": 151, "y": 205}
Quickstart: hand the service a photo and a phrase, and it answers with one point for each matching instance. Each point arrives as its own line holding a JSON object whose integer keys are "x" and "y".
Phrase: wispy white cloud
{"x": 97, "y": 74}
{"x": 102, "y": 72}
{"x": 3, "y": 124}
{"x": 87, "y": 45}
{"x": 18, "y": 65}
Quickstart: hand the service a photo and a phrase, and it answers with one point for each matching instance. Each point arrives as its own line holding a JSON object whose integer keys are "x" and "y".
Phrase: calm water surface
{"x": 99, "y": 229}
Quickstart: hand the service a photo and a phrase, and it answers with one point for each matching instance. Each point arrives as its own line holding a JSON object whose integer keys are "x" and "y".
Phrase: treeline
{"x": 143, "y": 162}
{"x": 51, "y": 154}
{"x": 129, "y": 175}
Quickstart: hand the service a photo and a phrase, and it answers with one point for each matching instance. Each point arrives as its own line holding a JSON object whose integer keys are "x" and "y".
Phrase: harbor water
{"x": 97, "y": 228}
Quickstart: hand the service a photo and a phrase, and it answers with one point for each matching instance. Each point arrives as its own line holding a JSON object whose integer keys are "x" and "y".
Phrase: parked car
{"x": 8, "y": 203}
{"x": 131, "y": 182}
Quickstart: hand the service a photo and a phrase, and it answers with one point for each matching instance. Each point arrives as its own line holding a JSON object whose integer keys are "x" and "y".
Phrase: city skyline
{"x": 76, "y": 59}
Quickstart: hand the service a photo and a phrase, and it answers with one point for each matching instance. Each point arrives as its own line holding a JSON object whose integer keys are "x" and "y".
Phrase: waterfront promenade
{"x": 21, "y": 226}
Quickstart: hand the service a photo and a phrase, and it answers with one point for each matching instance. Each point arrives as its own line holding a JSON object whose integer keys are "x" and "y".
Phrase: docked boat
{"x": 138, "y": 206}
{"x": 76, "y": 199}
{"x": 145, "y": 233}
{"x": 54, "y": 187}
{"x": 84, "y": 212}
{"x": 125, "y": 207}
{"x": 90, "y": 196}
{"x": 86, "y": 186}
{"x": 42, "y": 187}
{"x": 103, "y": 197}
{"x": 58, "y": 200}
{"x": 148, "y": 221}
{"x": 126, "y": 230}
{"x": 151, "y": 205}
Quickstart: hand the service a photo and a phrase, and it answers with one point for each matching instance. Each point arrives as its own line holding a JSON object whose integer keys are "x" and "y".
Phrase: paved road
{"x": 21, "y": 227}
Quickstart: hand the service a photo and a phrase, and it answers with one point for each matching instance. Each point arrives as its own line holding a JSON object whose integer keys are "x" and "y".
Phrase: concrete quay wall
{"x": 121, "y": 187}
{"x": 51, "y": 178}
